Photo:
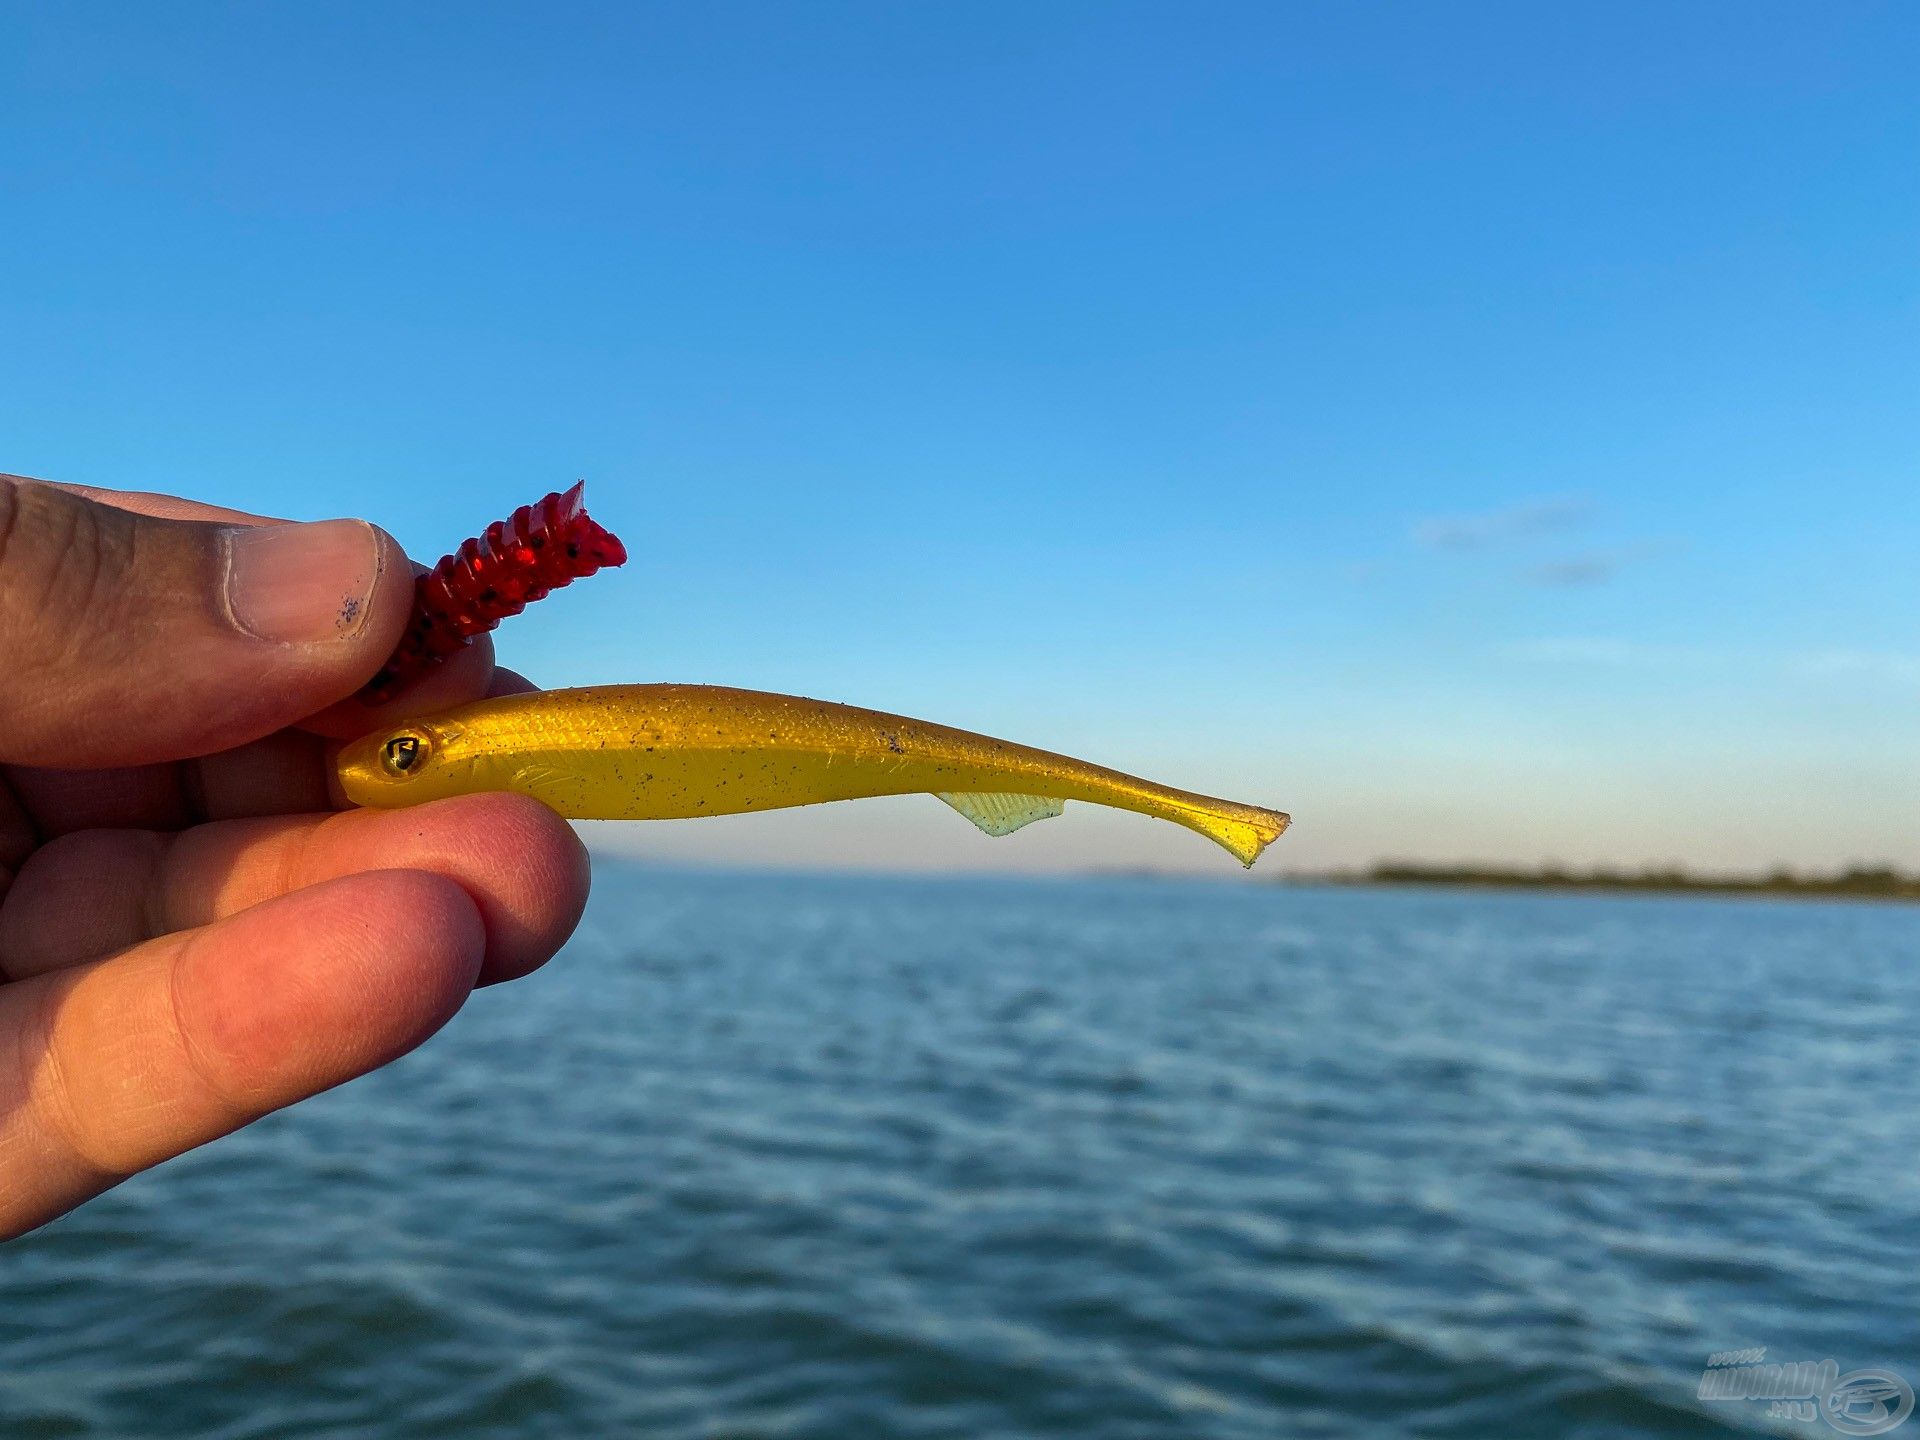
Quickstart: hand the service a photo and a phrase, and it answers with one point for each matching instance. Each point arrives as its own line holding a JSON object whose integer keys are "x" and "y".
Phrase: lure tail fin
{"x": 1242, "y": 830}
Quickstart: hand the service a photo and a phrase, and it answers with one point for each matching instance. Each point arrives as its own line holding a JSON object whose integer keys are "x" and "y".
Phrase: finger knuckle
{"x": 58, "y": 557}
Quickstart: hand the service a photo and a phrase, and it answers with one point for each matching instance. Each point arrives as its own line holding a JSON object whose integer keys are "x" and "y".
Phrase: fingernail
{"x": 296, "y": 584}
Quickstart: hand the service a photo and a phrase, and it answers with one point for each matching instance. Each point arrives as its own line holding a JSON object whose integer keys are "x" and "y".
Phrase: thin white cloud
{"x": 1891, "y": 667}
{"x": 1888, "y": 665}
{"x": 1594, "y": 650}
{"x": 1495, "y": 527}
{"x": 1593, "y": 567}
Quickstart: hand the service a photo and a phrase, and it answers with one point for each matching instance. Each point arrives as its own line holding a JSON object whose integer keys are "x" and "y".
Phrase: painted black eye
{"x": 402, "y": 753}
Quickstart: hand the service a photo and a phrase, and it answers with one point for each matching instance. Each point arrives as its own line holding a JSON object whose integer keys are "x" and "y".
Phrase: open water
{"x": 848, "y": 1157}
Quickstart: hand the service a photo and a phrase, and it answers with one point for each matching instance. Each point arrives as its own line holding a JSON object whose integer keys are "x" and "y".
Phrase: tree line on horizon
{"x": 1865, "y": 881}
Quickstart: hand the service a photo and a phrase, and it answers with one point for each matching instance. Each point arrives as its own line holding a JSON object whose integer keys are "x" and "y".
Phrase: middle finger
{"x": 97, "y": 891}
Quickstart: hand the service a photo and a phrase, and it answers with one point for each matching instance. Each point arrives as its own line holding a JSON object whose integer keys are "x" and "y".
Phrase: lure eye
{"x": 402, "y": 753}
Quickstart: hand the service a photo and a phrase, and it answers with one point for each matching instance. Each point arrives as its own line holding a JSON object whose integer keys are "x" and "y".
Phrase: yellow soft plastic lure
{"x": 669, "y": 752}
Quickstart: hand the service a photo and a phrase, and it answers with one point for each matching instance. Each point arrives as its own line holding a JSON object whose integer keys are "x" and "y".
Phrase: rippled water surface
{"x": 772, "y": 1156}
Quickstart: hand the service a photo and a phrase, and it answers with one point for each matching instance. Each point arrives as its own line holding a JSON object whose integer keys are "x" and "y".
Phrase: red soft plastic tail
{"x": 517, "y": 561}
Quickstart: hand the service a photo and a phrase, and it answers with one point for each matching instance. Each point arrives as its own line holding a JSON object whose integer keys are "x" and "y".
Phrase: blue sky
{"x": 1485, "y": 431}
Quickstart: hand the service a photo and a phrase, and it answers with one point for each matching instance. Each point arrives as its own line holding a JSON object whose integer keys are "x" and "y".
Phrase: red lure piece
{"x": 516, "y": 561}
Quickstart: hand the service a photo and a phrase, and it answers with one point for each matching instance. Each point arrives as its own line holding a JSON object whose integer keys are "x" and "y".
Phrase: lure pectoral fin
{"x": 655, "y": 752}
{"x": 1002, "y": 814}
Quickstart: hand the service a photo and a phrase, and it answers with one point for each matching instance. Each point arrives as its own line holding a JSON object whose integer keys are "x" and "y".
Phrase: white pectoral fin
{"x": 1001, "y": 814}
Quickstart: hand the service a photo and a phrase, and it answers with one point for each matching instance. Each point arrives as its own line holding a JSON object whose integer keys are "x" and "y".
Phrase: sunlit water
{"x": 774, "y": 1156}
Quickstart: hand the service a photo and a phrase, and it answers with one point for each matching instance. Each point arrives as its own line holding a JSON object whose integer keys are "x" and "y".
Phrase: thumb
{"x": 130, "y": 639}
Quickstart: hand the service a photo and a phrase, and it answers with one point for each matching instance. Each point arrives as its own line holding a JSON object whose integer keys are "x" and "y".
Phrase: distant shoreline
{"x": 1858, "y": 883}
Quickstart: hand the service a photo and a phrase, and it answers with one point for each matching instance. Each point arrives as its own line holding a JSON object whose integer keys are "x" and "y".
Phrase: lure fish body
{"x": 666, "y": 752}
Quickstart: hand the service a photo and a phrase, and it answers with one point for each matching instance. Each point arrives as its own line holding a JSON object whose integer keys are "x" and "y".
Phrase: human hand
{"x": 190, "y": 936}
